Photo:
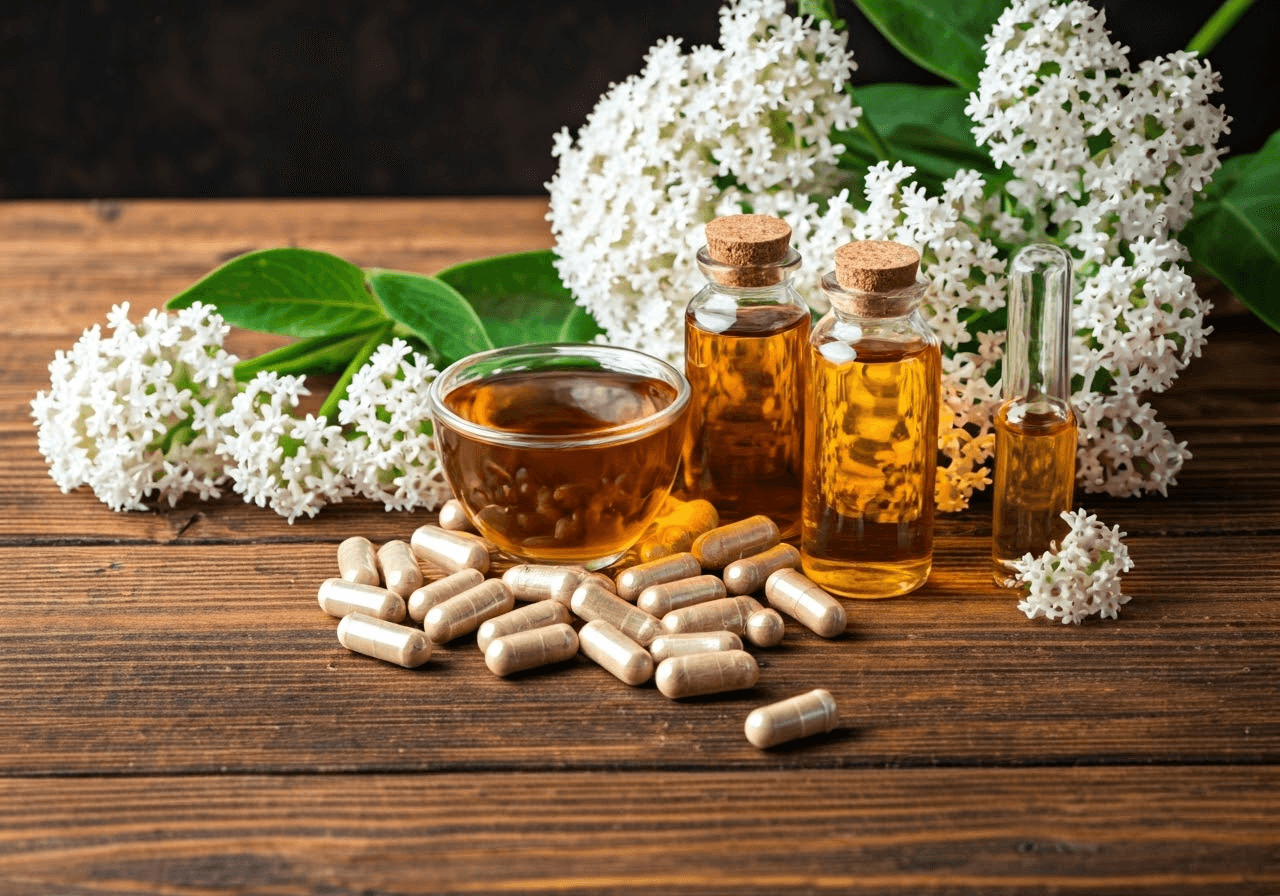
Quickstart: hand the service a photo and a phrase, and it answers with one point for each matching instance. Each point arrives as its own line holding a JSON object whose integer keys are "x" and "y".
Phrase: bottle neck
{"x": 1037, "y": 362}
{"x": 855, "y": 306}
{"x": 760, "y": 280}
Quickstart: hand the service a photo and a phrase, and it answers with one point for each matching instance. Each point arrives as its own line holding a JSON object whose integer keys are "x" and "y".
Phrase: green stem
{"x": 302, "y": 356}
{"x": 1218, "y": 25}
{"x": 376, "y": 338}
{"x": 868, "y": 130}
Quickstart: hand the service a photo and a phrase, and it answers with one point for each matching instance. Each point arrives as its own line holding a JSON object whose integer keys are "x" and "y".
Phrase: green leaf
{"x": 520, "y": 299}
{"x": 292, "y": 292}
{"x": 1236, "y": 230}
{"x": 320, "y": 354}
{"x": 435, "y": 313}
{"x": 942, "y": 37}
{"x": 820, "y": 11}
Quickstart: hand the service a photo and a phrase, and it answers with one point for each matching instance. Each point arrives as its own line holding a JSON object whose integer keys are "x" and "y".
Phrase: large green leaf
{"x": 520, "y": 299}
{"x": 942, "y": 36}
{"x": 1236, "y": 230}
{"x": 435, "y": 313}
{"x": 292, "y": 292}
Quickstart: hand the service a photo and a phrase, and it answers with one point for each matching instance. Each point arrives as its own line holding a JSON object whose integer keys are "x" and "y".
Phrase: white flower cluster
{"x": 1078, "y": 579}
{"x": 632, "y": 193}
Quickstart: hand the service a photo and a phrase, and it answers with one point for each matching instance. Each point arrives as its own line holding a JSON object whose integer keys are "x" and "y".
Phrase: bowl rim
{"x": 626, "y": 360}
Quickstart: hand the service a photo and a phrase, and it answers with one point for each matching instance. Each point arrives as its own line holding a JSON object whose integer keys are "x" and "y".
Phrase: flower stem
{"x": 339, "y": 391}
{"x": 868, "y": 131}
{"x": 1218, "y": 25}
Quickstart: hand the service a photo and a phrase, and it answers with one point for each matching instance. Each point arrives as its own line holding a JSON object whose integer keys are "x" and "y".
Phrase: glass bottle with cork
{"x": 871, "y": 427}
{"x": 745, "y": 338}
{"x": 1035, "y": 462}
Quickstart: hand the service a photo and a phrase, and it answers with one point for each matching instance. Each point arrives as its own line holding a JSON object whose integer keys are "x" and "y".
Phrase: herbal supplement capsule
{"x": 338, "y": 597}
{"x": 602, "y": 580}
{"x": 728, "y": 614}
{"x": 531, "y": 648}
{"x": 453, "y": 518}
{"x": 400, "y": 570}
{"x": 615, "y": 652}
{"x": 790, "y": 592}
{"x": 765, "y": 628}
{"x": 357, "y": 561}
{"x": 706, "y": 673}
{"x": 424, "y": 598}
{"x": 591, "y": 602}
{"x": 451, "y": 551}
{"x": 632, "y": 581}
{"x": 529, "y": 581}
{"x": 799, "y": 716}
{"x": 659, "y": 600}
{"x": 686, "y": 643}
{"x": 720, "y": 547}
{"x": 521, "y": 619}
{"x": 678, "y": 524}
{"x": 383, "y": 640}
{"x": 748, "y": 574}
{"x": 465, "y": 612}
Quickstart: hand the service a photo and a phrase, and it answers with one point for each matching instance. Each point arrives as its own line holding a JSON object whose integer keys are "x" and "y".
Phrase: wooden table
{"x": 177, "y": 716}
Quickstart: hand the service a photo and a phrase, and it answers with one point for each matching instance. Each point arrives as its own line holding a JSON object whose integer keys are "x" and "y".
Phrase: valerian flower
{"x": 1077, "y": 578}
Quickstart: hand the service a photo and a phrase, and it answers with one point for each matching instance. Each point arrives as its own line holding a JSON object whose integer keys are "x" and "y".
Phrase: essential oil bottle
{"x": 1035, "y": 463}
{"x": 745, "y": 338}
{"x": 871, "y": 427}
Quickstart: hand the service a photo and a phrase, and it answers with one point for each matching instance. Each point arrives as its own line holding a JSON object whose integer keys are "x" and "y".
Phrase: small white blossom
{"x": 135, "y": 414}
{"x": 293, "y": 465}
{"x": 1080, "y": 577}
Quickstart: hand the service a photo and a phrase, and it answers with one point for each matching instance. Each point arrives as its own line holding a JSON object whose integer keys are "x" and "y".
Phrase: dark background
{"x": 320, "y": 97}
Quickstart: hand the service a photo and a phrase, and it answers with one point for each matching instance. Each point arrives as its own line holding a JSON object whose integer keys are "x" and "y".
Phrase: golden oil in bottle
{"x": 871, "y": 429}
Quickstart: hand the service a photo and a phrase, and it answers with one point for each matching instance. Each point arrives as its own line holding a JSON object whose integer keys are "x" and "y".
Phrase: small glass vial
{"x": 1035, "y": 463}
{"x": 744, "y": 342}
{"x": 871, "y": 427}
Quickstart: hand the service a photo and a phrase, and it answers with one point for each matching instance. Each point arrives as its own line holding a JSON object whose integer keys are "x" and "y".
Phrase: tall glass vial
{"x": 744, "y": 344}
{"x": 871, "y": 427}
{"x": 1035, "y": 461}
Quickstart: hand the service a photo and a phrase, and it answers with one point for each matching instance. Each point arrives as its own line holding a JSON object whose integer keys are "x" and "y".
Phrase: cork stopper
{"x": 876, "y": 266}
{"x": 748, "y": 249}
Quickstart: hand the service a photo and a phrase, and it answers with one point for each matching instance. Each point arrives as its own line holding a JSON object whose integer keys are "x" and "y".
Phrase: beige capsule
{"x": 803, "y": 715}
{"x": 521, "y": 619}
{"x": 765, "y": 628}
{"x": 720, "y": 547}
{"x": 590, "y": 602}
{"x": 791, "y": 593}
{"x": 729, "y": 614}
{"x": 530, "y": 581}
{"x": 400, "y": 570}
{"x": 659, "y": 600}
{"x": 529, "y": 649}
{"x": 602, "y": 580}
{"x": 451, "y": 551}
{"x": 453, "y": 517}
{"x": 338, "y": 597}
{"x": 465, "y": 612}
{"x": 749, "y": 574}
{"x": 383, "y": 640}
{"x": 632, "y": 581}
{"x": 424, "y": 598}
{"x": 617, "y": 654}
{"x": 358, "y": 562}
{"x": 686, "y": 643}
{"x": 706, "y": 673}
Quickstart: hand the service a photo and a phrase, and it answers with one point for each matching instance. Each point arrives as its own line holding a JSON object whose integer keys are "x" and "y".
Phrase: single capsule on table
{"x": 617, "y": 654}
{"x": 453, "y": 518}
{"x": 749, "y": 574}
{"x": 424, "y": 598}
{"x": 729, "y": 614}
{"x": 522, "y": 619}
{"x": 400, "y": 570}
{"x": 790, "y": 592}
{"x": 383, "y": 640}
{"x": 591, "y": 602}
{"x": 800, "y": 716}
{"x": 765, "y": 628}
{"x": 686, "y": 643}
{"x": 466, "y": 611}
{"x": 451, "y": 551}
{"x": 338, "y": 597}
{"x": 357, "y": 561}
{"x": 658, "y": 600}
{"x": 676, "y": 528}
{"x": 529, "y": 649}
{"x": 720, "y": 547}
{"x": 531, "y": 581}
{"x": 630, "y": 582}
{"x": 706, "y": 673}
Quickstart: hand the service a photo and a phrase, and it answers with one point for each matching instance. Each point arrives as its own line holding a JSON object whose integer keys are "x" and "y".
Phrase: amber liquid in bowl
{"x": 552, "y": 503}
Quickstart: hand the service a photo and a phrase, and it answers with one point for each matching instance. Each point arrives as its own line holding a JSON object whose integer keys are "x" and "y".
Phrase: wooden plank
{"x": 197, "y": 659}
{"x": 990, "y": 831}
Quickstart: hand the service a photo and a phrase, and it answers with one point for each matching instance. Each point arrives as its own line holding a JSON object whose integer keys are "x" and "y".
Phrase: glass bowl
{"x": 560, "y": 453}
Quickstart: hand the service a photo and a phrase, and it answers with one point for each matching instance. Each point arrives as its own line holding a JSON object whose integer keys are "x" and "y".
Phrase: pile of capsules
{"x": 662, "y": 619}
